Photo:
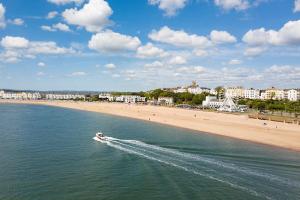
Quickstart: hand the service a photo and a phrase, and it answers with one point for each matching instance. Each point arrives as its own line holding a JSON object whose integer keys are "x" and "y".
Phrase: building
{"x": 180, "y": 90}
{"x": 130, "y": 99}
{"x": 64, "y": 96}
{"x": 212, "y": 102}
{"x": 293, "y": 94}
{"x": 234, "y": 92}
{"x": 165, "y": 101}
{"x": 273, "y": 93}
{"x": 198, "y": 90}
{"x": 106, "y": 97}
{"x": 1, "y": 93}
{"x": 20, "y": 95}
{"x": 251, "y": 93}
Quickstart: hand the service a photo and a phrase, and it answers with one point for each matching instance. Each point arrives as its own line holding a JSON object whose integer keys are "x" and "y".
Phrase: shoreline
{"x": 274, "y": 134}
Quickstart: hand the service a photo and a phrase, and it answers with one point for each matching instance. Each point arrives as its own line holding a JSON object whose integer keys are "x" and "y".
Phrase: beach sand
{"x": 236, "y": 126}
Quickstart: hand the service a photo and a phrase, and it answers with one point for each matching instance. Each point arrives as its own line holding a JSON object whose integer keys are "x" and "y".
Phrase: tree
{"x": 220, "y": 91}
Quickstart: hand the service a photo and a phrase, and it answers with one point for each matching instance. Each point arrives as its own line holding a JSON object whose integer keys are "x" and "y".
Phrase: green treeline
{"x": 272, "y": 105}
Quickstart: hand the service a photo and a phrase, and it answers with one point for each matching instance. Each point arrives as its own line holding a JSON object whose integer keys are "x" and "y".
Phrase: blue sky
{"x": 133, "y": 45}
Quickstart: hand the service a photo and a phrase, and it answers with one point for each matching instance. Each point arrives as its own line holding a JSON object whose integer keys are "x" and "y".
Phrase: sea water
{"x": 51, "y": 153}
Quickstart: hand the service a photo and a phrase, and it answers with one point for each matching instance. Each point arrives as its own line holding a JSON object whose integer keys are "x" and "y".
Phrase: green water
{"x": 50, "y": 153}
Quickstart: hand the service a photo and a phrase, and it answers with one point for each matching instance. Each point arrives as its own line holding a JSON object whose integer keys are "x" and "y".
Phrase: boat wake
{"x": 237, "y": 177}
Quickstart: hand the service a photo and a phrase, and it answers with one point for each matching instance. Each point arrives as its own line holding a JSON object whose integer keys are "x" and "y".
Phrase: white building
{"x": 1, "y": 93}
{"x": 106, "y": 96}
{"x": 180, "y": 90}
{"x": 20, "y": 95}
{"x": 234, "y": 92}
{"x": 198, "y": 90}
{"x": 130, "y": 99}
{"x": 212, "y": 102}
{"x": 293, "y": 95}
{"x": 64, "y": 96}
{"x": 279, "y": 95}
{"x": 251, "y": 94}
{"x": 165, "y": 100}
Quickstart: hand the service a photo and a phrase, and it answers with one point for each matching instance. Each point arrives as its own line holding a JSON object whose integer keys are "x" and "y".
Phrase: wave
{"x": 227, "y": 173}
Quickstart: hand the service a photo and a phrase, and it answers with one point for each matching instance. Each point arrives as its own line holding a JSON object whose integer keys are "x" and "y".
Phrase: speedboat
{"x": 101, "y": 136}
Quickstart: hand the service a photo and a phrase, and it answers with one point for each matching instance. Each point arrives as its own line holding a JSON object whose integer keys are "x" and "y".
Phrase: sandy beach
{"x": 235, "y": 126}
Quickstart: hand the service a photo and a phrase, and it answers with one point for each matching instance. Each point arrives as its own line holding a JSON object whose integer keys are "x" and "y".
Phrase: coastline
{"x": 235, "y": 126}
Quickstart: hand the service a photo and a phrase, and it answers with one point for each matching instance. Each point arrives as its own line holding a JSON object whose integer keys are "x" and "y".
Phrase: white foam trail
{"x": 130, "y": 151}
{"x": 213, "y": 161}
{"x": 200, "y": 165}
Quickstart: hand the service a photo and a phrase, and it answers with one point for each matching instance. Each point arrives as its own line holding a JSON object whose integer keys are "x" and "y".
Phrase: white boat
{"x": 101, "y": 136}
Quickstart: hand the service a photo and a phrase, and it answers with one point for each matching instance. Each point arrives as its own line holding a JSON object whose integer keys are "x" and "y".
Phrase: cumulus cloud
{"x": 297, "y": 6}
{"x": 170, "y": 7}
{"x": 93, "y": 16}
{"x": 52, "y": 14}
{"x": 64, "y": 2}
{"x": 200, "y": 52}
{"x": 232, "y": 4}
{"x": 61, "y": 27}
{"x": 110, "y": 66}
{"x": 289, "y": 34}
{"x": 150, "y": 51}
{"x": 109, "y": 41}
{"x": 155, "y": 64}
{"x": 16, "y": 48}
{"x": 179, "y": 38}
{"x": 2, "y": 16}
{"x": 177, "y": 60}
{"x": 221, "y": 37}
{"x": 10, "y": 42}
{"x": 41, "y": 64}
{"x": 56, "y": 27}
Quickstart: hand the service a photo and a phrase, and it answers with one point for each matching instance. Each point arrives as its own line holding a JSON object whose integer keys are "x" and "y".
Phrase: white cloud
{"x": 16, "y": 48}
{"x": 221, "y": 37}
{"x": 289, "y": 34}
{"x": 47, "y": 48}
{"x": 41, "y": 64}
{"x": 2, "y": 16}
{"x": 297, "y": 6}
{"x": 47, "y": 28}
{"x": 52, "y": 14}
{"x": 179, "y": 38}
{"x": 109, "y": 41}
{"x": 9, "y": 42}
{"x": 110, "y": 66}
{"x": 254, "y": 51}
{"x": 177, "y": 60}
{"x": 17, "y": 22}
{"x": 56, "y": 27}
{"x": 200, "y": 52}
{"x": 155, "y": 64}
{"x": 170, "y": 7}
{"x": 232, "y": 4}
{"x": 94, "y": 15}
{"x": 64, "y": 2}
{"x": 150, "y": 51}
{"x": 40, "y": 74}
{"x": 235, "y": 62}
{"x": 78, "y": 74}
{"x": 62, "y": 27}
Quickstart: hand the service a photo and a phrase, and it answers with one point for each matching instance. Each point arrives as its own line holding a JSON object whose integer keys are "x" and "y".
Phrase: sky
{"x": 134, "y": 45}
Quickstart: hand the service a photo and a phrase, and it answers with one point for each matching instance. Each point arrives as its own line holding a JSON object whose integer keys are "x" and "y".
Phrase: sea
{"x": 49, "y": 153}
